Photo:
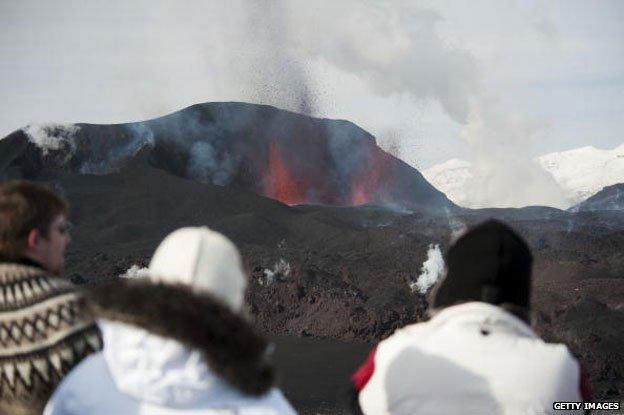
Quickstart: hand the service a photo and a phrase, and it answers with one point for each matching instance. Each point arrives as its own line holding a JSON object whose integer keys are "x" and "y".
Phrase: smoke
{"x": 277, "y": 76}
{"x": 135, "y": 271}
{"x": 503, "y": 173}
{"x": 64, "y": 141}
{"x": 53, "y": 137}
{"x": 110, "y": 155}
{"x": 431, "y": 270}
{"x": 395, "y": 48}
{"x": 297, "y": 55}
{"x": 140, "y": 135}
{"x": 456, "y": 226}
{"x": 203, "y": 138}
{"x": 204, "y": 165}
{"x": 280, "y": 271}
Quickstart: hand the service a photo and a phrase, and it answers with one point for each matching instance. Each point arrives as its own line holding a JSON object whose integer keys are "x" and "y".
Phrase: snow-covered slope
{"x": 584, "y": 171}
{"x": 609, "y": 198}
{"x": 580, "y": 173}
{"x": 451, "y": 178}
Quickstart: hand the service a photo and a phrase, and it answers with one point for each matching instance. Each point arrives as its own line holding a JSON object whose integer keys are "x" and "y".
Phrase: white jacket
{"x": 141, "y": 373}
{"x": 473, "y": 358}
{"x": 175, "y": 343}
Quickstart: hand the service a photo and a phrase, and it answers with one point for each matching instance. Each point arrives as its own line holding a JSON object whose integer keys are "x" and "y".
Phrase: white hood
{"x": 204, "y": 260}
{"x": 158, "y": 370}
{"x": 176, "y": 342}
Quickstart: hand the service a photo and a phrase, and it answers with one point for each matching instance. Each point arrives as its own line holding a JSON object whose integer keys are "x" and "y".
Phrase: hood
{"x": 171, "y": 346}
{"x": 202, "y": 259}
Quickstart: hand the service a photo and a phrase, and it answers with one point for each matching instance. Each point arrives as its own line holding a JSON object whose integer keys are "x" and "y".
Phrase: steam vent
{"x": 278, "y": 154}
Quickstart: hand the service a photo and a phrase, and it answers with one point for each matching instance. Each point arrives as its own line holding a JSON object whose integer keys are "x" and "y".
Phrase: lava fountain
{"x": 288, "y": 178}
{"x": 280, "y": 181}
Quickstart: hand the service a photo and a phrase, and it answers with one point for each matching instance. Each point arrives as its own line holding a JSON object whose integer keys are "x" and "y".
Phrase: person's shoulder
{"x": 87, "y": 384}
{"x": 410, "y": 334}
{"x": 558, "y": 353}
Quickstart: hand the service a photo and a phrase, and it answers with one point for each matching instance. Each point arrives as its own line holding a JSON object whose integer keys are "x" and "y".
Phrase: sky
{"x": 432, "y": 80}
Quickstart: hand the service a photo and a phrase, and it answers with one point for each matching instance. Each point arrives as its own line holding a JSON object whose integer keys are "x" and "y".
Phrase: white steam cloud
{"x": 393, "y": 47}
{"x": 312, "y": 57}
{"x": 281, "y": 270}
{"x": 397, "y": 49}
{"x": 431, "y": 270}
{"x": 205, "y": 167}
{"x": 279, "y": 53}
{"x": 51, "y": 137}
{"x": 284, "y": 49}
{"x": 503, "y": 173}
{"x": 135, "y": 271}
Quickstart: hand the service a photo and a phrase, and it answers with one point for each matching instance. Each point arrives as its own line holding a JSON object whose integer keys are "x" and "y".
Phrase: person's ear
{"x": 32, "y": 240}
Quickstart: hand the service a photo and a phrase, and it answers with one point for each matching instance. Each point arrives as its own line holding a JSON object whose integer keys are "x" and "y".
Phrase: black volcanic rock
{"x": 609, "y": 198}
{"x": 286, "y": 156}
{"x": 338, "y": 263}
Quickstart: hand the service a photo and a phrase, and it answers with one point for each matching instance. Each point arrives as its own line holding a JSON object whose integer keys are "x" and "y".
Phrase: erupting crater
{"x": 286, "y": 156}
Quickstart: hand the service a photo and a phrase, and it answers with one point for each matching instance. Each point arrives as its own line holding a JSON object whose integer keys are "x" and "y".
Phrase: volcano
{"x": 282, "y": 155}
{"x": 331, "y": 243}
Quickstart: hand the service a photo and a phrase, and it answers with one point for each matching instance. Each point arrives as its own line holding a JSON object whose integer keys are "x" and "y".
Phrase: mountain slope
{"x": 609, "y": 198}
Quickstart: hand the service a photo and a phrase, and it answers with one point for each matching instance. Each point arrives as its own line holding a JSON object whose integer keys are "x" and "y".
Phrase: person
{"x": 177, "y": 341}
{"x": 477, "y": 354}
{"x": 44, "y": 327}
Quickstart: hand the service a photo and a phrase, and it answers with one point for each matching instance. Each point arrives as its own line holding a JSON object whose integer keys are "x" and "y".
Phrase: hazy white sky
{"x": 420, "y": 75}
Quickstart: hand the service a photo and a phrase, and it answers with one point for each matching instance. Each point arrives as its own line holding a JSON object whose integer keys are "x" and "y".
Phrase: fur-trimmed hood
{"x": 169, "y": 345}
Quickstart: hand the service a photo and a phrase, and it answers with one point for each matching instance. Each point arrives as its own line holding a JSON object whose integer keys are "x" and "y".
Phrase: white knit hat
{"x": 203, "y": 259}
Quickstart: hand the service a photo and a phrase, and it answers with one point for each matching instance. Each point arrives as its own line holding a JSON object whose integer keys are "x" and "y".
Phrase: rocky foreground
{"x": 344, "y": 273}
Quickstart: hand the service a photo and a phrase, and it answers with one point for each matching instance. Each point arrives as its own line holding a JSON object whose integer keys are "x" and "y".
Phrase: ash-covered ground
{"x": 344, "y": 273}
{"x": 327, "y": 282}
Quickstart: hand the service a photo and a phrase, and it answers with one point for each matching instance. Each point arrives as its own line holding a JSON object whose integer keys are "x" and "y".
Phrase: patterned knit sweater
{"x": 44, "y": 332}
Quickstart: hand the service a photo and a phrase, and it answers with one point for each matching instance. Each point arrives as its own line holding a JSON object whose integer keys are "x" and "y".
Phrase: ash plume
{"x": 289, "y": 54}
{"x": 276, "y": 76}
{"x": 394, "y": 47}
{"x": 504, "y": 173}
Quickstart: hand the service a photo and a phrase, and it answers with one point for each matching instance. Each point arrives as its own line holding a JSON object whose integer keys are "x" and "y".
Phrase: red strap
{"x": 361, "y": 376}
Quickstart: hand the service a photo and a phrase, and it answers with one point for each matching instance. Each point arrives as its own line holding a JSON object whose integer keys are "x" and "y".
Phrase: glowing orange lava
{"x": 359, "y": 195}
{"x": 365, "y": 187}
{"x": 280, "y": 182}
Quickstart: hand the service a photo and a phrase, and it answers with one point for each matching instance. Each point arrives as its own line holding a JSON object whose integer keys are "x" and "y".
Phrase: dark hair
{"x": 25, "y": 206}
